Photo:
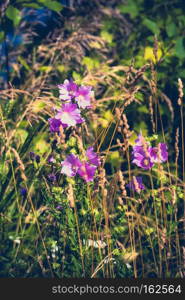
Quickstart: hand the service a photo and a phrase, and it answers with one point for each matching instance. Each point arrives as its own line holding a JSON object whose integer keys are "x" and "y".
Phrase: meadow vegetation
{"x": 92, "y": 162}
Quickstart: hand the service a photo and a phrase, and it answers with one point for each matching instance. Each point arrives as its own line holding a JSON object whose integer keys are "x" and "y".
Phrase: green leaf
{"x": 139, "y": 96}
{"x": 114, "y": 158}
{"x": 91, "y": 63}
{"x": 179, "y": 48}
{"x": 53, "y": 5}
{"x": 38, "y": 106}
{"x": 108, "y": 37}
{"x": 77, "y": 77}
{"x": 171, "y": 29}
{"x": 45, "y": 69}
{"x": 41, "y": 146}
{"x": 24, "y": 63}
{"x": 182, "y": 73}
{"x": 131, "y": 8}
{"x": 143, "y": 109}
{"x": 61, "y": 68}
{"x": 21, "y": 134}
{"x": 56, "y": 265}
{"x": 152, "y": 26}
{"x": 142, "y": 126}
{"x": 1, "y": 36}
{"x": 33, "y": 5}
{"x": 149, "y": 230}
{"x": 13, "y": 14}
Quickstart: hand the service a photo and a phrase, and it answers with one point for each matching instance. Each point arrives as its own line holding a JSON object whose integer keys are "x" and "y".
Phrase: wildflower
{"x": 145, "y": 156}
{"x": 163, "y": 153}
{"x": 83, "y": 96}
{"x": 136, "y": 184}
{"x": 52, "y": 177}
{"x": 54, "y": 124}
{"x": 140, "y": 141}
{"x": 23, "y": 192}
{"x": 69, "y": 115}
{"x": 159, "y": 154}
{"x": 51, "y": 159}
{"x": 141, "y": 146}
{"x": 32, "y": 156}
{"x": 70, "y": 165}
{"x": 59, "y": 207}
{"x": 87, "y": 171}
{"x": 67, "y": 90}
{"x": 92, "y": 157}
{"x": 141, "y": 153}
{"x": 141, "y": 160}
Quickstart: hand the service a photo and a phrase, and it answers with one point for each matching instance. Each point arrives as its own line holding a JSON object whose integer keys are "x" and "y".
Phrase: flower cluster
{"x": 73, "y": 98}
{"x": 86, "y": 169}
{"x": 145, "y": 156}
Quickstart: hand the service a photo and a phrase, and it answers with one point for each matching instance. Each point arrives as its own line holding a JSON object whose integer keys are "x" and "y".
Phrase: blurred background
{"x": 65, "y": 39}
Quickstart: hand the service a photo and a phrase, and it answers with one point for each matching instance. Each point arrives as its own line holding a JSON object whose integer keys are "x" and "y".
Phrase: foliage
{"x": 131, "y": 53}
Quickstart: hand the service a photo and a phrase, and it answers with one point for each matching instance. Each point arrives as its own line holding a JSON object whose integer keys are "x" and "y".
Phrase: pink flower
{"x": 54, "y": 124}
{"x": 92, "y": 157}
{"x": 145, "y": 156}
{"x": 87, "y": 171}
{"x": 83, "y": 96}
{"x": 69, "y": 115}
{"x": 159, "y": 154}
{"x": 141, "y": 160}
{"x": 70, "y": 165}
{"x": 67, "y": 90}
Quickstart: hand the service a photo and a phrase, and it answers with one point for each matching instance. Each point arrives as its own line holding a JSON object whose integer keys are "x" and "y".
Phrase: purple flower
{"x": 163, "y": 153}
{"x": 35, "y": 157}
{"x": 32, "y": 156}
{"x": 141, "y": 153}
{"x": 146, "y": 163}
{"x": 52, "y": 177}
{"x": 87, "y": 171}
{"x": 142, "y": 159}
{"x": 136, "y": 184}
{"x": 141, "y": 146}
{"x": 54, "y": 124}
{"x": 69, "y": 115}
{"x": 23, "y": 192}
{"x": 140, "y": 140}
{"x": 59, "y": 207}
{"x": 67, "y": 90}
{"x": 138, "y": 150}
{"x": 145, "y": 156}
{"x": 83, "y": 96}
{"x": 51, "y": 159}
{"x": 92, "y": 157}
{"x": 153, "y": 153}
{"x": 159, "y": 154}
{"x": 70, "y": 165}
